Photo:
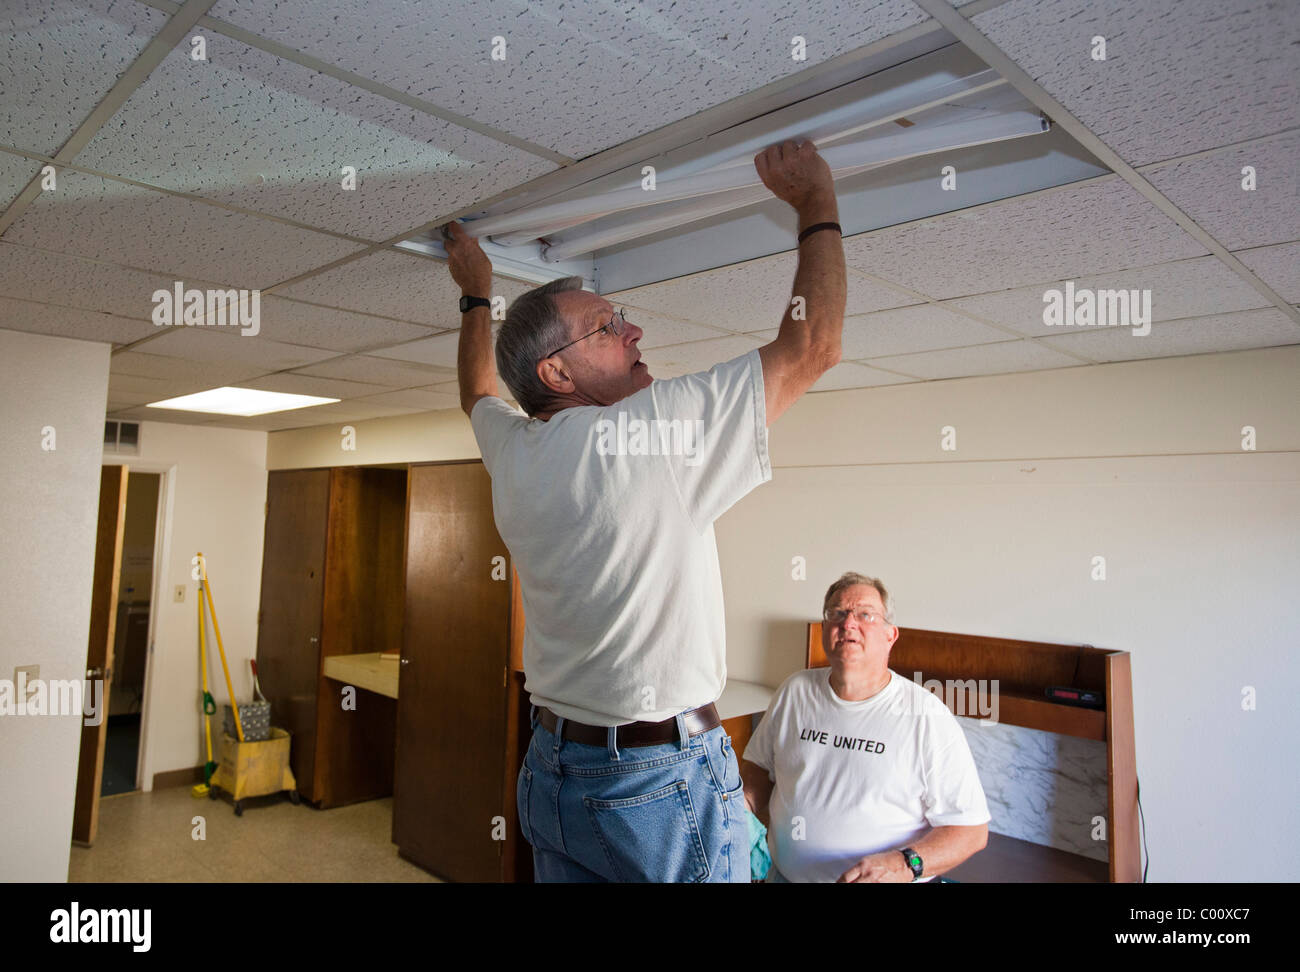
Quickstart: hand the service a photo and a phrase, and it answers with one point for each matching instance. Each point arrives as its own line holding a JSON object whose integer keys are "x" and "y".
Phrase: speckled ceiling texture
{"x": 578, "y": 76}
{"x": 1180, "y": 76}
{"x": 226, "y": 173}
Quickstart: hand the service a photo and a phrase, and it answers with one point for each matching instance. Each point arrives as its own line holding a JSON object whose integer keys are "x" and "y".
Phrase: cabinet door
{"x": 451, "y": 722}
{"x": 289, "y": 628}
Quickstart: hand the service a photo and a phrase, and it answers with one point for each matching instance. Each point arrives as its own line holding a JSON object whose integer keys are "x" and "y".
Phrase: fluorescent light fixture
{"x": 240, "y": 401}
{"x": 721, "y": 188}
{"x": 718, "y": 191}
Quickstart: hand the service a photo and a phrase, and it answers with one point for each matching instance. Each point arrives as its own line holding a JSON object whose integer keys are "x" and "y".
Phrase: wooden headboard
{"x": 1023, "y": 671}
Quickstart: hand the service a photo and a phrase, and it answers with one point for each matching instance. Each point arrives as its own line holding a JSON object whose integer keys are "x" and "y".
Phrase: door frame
{"x": 162, "y": 543}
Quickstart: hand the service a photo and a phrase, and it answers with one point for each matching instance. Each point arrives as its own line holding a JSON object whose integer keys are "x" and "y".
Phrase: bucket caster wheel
{"x": 239, "y": 808}
{"x": 294, "y": 798}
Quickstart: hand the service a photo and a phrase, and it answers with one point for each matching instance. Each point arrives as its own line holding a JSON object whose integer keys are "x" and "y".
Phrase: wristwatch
{"x": 913, "y": 861}
{"x": 469, "y": 303}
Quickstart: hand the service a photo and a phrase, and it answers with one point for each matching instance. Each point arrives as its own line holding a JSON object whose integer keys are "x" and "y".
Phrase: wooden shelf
{"x": 366, "y": 670}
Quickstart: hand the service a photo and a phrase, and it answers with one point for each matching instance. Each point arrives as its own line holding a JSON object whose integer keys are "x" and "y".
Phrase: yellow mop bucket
{"x": 253, "y": 769}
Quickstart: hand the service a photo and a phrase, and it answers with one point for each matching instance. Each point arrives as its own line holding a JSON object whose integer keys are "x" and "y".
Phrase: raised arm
{"x": 472, "y": 270}
{"x": 804, "y": 350}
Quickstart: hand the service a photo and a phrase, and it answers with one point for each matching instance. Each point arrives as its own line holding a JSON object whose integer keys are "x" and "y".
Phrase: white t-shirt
{"x": 609, "y": 522}
{"x": 865, "y": 776}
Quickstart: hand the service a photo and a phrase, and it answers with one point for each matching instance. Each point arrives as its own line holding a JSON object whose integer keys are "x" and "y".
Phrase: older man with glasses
{"x": 862, "y": 775}
{"x": 630, "y": 776}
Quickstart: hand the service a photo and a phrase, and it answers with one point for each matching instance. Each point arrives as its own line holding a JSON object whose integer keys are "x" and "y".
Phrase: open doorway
{"x": 131, "y": 635}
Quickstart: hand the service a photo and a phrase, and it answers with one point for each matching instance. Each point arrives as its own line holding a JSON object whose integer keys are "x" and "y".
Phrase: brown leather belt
{"x": 635, "y": 733}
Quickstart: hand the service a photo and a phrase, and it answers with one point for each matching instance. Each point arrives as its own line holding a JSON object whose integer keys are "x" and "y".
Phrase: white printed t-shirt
{"x": 865, "y": 776}
{"x": 618, "y": 568}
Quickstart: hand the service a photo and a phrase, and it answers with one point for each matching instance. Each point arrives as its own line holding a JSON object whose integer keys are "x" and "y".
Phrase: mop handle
{"x": 230, "y": 689}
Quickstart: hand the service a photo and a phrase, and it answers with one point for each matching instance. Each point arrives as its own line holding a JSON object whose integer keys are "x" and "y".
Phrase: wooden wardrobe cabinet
{"x": 458, "y": 722}
{"x": 332, "y": 585}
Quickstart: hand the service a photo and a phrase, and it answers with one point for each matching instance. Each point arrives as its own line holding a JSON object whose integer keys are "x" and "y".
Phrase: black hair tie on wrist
{"x": 819, "y": 226}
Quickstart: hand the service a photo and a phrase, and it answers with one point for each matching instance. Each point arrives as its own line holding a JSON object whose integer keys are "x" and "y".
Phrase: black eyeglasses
{"x": 614, "y": 327}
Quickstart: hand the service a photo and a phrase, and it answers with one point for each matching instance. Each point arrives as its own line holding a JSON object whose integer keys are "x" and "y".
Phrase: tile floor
{"x": 148, "y": 837}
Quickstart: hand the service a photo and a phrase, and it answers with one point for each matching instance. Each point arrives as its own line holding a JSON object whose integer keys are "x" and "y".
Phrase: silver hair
{"x": 533, "y": 328}
{"x": 860, "y": 580}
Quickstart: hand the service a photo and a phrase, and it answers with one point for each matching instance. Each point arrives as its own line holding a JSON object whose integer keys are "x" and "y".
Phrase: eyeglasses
{"x": 614, "y": 327}
{"x": 837, "y": 616}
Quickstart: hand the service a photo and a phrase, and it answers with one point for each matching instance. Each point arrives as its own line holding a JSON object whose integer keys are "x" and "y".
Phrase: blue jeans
{"x": 666, "y": 813}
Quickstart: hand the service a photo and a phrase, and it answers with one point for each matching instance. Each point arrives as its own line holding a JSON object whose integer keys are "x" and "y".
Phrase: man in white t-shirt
{"x": 605, "y": 488}
{"x": 861, "y": 774}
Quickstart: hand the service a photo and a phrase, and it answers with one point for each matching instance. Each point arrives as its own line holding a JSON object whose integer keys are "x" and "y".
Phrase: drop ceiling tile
{"x": 334, "y": 330}
{"x": 76, "y": 282}
{"x": 1209, "y": 189}
{"x": 70, "y": 322}
{"x": 296, "y": 384}
{"x": 1187, "y": 288}
{"x": 298, "y": 129}
{"x": 59, "y": 58}
{"x": 1179, "y": 77}
{"x": 848, "y": 374}
{"x": 125, "y": 390}
{"x": 438, "y": 350}
{"x": 578, "y": 76}
{"x": 421, "y": 399}
{"x": 211, "y": 374}
{"x": 1096, "y": 228}
{"x": 389, "y": 284}
{"x": 747, "y": 297}
{"x": 15, "y": 173}
{"x": 227, "y": 345}
{"x": 1002, "y": 358}
{"x": 659, "y": 331}
{"x": 302, "y": 418}
{"x": 1198, "y": 335}
{"x": 377, "y": 371}
{"x": 925, "y": 327}
{"x": 1277, "y": 266}
{"x": 685, "y": 359}
{"x": 106, "y": 220}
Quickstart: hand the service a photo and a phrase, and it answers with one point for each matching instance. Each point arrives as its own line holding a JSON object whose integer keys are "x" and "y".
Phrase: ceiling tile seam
{"x": 159, "y": 46}
{"x": 80, "y": 310}
{"x": 1000, "y": 61}
{"x": 888, "y": 371}
{"x": 1085, "y": 276}
{"x": 303, "y": 59}
{"x": 192, "y": 197}
{"x": 958, "y": 347}
{"x": 106, "y": 263}
{"x": 1255, "y": 142}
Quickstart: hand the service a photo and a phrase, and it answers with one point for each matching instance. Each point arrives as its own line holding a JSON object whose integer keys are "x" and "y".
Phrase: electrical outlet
{"x": 179, "y": 596}
{"x": 33, "y": 672}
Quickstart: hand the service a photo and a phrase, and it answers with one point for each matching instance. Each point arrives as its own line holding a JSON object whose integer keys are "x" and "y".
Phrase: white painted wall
{"x": 47, "y": 528}
{"x": 216, "y": 488}
{"x": 1139, "y": 462}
